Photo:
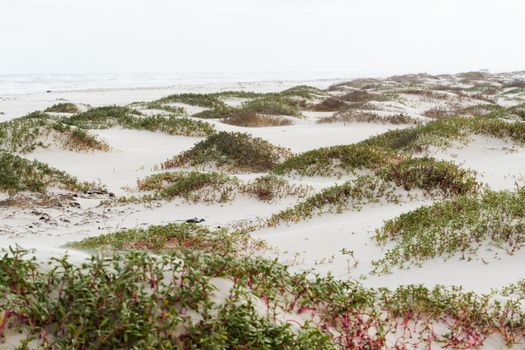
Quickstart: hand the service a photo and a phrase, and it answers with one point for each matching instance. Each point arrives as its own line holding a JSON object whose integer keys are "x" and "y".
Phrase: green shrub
{"x": 443, "y": 131}
{"x": 216, "y": 113}
{"x": 18, "y": 174}
{"x": 201, "y": 100}
{"x": 248, "y": 118}
{"x": 354, "y": 116}
{"x": 234, "y": 151}
{"x": 457, "y": 226}
{"x": 349, "y": 195}
{"x": 63, "y": 108}
{"x": 275, "y": 105}
{"x": 24, "y": 135}
{"x": 433, "y": 176}
{"x": 211, "y": 187}
{"x": 115, "y": 116}
{"x": 102, "y": 117}
{"x": 328, "y": 160}
{"x": 268, "y": 187}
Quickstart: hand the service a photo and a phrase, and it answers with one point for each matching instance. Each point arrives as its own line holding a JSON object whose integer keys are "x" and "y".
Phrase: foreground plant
{"x": 211, "y": 301}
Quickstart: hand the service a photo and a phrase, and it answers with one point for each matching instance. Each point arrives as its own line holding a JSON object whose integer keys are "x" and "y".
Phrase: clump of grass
{"x": 209, "y": 187}
{"x": 268, "y": 187}
{"x": 24, "y": 135}
{"x": 330, "y": 104}
{"x": 442, "y": 132}
{"x": 156, "y": 105}
{"x": 201, "y": 100}
{"x": 233, "y": 151}
{"x": 431, "y": 175}
{"x": 192, "y": 186}
{"x": 172, "y": 237}
{"x": 65, "y": 107}
{"x": 19, "y": 174}
{"x": 327, "y": 161}
{"x": 172, "y": 125}
{"x": 349, "y": 195}
{"x": 103, "y": 117}
{"x": 287, "y": 102}
{"x": 251, "y": 119}
{"x": 116, "y": 116}
{"x": 275, "y": 105}
{"x": 216, "y": 113}
{"x": 439, "y": 113}
{"x": 458, "y": 226}
{"x": 362, "y": 96}
{"x": 304, "y": 91}
{"x": 355, "y": 116}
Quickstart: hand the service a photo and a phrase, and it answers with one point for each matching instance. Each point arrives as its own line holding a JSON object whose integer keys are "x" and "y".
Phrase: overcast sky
{"x": 368, "y": 36}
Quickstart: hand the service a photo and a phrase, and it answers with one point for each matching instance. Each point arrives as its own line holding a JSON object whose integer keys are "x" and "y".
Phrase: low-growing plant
{"x": 233, "y": 151}
{"x": 211, "y": 187}
{"x": 362, "y": 96}
{"x": 349, "y": 195}
{"x": 329, "y": 104}
{"x": 201, "y": 100}
{"x": 216, "y": 113}
{"x": 275, "y": 105}
{"x": 26, "y": 134}
{"x": 65, "y": 107}
{"x": 116, "y": 116}
{"x": 443, "y": 131}
{"x": 191, "y": 186}
{"x": 458, "y": 226}
{"x": 433, "y": 176}
{"x": 268, "y": 187}
{"x": 248, "y": 118}
{"x": 18, "y": 174}
{"x": 331, "y": 160}
{"x": 355, "y": 116}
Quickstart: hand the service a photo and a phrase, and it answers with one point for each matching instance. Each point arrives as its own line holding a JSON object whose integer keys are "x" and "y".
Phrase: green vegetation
{"x": 251, "y": 119}
{"x": 268, "y": 187}
{"x": 361, "y": 96}
{"x": 461, "y": 225}
{"x": 116, "y": 116}
{"x": 327, "y": 161}
{"x": 435, "y": 177}
{"x": 443, "y": 131}
{"x": 211, "y": 187}
{"x": 216, "y": 113}
{"x": 350, "y": 195}
{"x": 162, "y": 238}
{"x": 156, "y": 105}
{"x": 66, "y": 107}
{"x": 287, "y": 102}
{"x": 330, "y": 104}
{"x": 192, "y": 186}
{"x": 189, "y": 299}
{"x": 275, "y": 105}
{"x": 201, "y": 100}
{"x": 24, "y": 135}
{"x": 232, "y": 151}
{"x": 355, "y": 116}
{"x": 18, "y": 174}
